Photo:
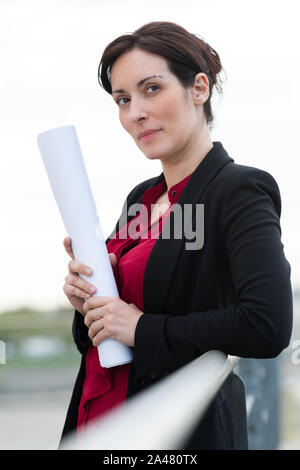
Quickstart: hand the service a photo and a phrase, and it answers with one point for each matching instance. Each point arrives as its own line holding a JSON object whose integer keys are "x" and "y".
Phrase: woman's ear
{"x": 200, "y": 88}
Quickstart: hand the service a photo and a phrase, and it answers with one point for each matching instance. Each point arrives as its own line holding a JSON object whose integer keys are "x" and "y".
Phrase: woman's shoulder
{"x": 237, "y": 175}
{"x": 239, "y": 184}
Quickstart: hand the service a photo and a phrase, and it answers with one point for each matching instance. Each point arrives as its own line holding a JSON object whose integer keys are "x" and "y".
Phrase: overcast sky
{"x": 49, "y": 53}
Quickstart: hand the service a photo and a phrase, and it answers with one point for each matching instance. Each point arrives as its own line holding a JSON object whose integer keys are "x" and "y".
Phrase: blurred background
{"x": 49, "y": 56}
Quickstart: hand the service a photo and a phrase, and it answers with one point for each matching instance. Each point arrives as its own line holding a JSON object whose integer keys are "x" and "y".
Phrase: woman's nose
{"x": 137, "y": 110}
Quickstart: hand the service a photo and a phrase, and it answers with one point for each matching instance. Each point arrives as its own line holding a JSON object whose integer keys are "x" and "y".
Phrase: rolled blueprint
{"x": 69, "y": 181}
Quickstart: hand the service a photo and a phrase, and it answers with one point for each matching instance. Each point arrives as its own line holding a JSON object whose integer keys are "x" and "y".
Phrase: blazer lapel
{"x": 165, "y": 253}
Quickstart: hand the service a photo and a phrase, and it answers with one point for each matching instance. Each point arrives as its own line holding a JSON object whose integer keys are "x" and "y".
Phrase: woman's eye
{"x": 119, "y": 101}
{"x": 155, "y": 88}
{"x": 151, "y": 89}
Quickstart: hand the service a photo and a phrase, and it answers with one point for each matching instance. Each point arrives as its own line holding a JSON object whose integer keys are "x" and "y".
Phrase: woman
{"x": 223, "y": 284}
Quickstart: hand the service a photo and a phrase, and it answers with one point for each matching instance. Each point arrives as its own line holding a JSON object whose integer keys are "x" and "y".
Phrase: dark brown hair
{"x": 185, "y": 53}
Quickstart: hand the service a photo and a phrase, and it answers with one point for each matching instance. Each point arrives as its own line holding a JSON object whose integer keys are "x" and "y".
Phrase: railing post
{"x": 2, "y": 352}
{"x": 262, "y": 390}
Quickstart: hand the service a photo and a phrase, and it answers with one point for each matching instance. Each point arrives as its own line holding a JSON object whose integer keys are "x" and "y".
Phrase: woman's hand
{"x": 77, "y": 289}
{"x": 111, "y": 317}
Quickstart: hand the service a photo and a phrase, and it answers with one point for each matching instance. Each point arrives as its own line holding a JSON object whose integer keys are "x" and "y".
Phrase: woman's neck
{"x": 178, "y": 168}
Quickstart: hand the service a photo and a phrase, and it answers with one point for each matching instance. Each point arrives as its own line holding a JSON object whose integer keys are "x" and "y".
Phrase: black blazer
{"x": 232, "y": 294}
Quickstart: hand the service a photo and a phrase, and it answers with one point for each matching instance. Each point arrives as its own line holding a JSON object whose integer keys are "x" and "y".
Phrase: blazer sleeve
{"x": 259, "y": 323}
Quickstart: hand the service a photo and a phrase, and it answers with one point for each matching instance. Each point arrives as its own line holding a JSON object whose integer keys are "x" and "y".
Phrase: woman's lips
{"x": 149, "y": 136}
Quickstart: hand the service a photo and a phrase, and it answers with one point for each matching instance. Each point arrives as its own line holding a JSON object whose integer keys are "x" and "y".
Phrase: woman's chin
{"x": 154, "y": 154}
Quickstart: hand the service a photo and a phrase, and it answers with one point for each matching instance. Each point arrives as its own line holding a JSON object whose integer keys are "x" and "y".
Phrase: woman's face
{"x": 151, "y": 99}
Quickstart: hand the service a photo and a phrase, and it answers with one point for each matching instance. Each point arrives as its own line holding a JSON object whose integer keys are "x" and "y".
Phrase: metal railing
{"x": 163, "y": 415}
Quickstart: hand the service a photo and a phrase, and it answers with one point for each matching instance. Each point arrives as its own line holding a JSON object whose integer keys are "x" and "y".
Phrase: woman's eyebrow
{"x": 140, "y": 83}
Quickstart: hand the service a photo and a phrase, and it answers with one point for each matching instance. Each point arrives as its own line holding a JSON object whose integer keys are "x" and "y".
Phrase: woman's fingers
{"x": 79, "y": 268}
{"x": 96, "y": 330}
{"x": 94, "y": 325}
{"x": 68, "y": 246}
{"x": 75, "y": 285}
{"x": 76, "y": 281}
{"x": 113, "y": 259}
{"x": 71, "y": 290}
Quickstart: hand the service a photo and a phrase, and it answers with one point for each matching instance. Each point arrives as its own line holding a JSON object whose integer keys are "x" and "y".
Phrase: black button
{"x": 165, "y": 372}
{"x": 153, "y": 374}
{"x": 174, "y": 193}
{"x": 142, "y": 381}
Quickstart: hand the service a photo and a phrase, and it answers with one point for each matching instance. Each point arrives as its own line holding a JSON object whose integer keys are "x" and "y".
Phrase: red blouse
{"x": 105, "y": 388}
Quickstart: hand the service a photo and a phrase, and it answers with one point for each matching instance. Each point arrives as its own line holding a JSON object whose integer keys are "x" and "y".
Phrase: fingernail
{"x": 88, "y": 271}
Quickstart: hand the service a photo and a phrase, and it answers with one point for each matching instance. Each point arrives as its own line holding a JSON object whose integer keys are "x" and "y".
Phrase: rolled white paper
{"x": 69, "y": 181}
